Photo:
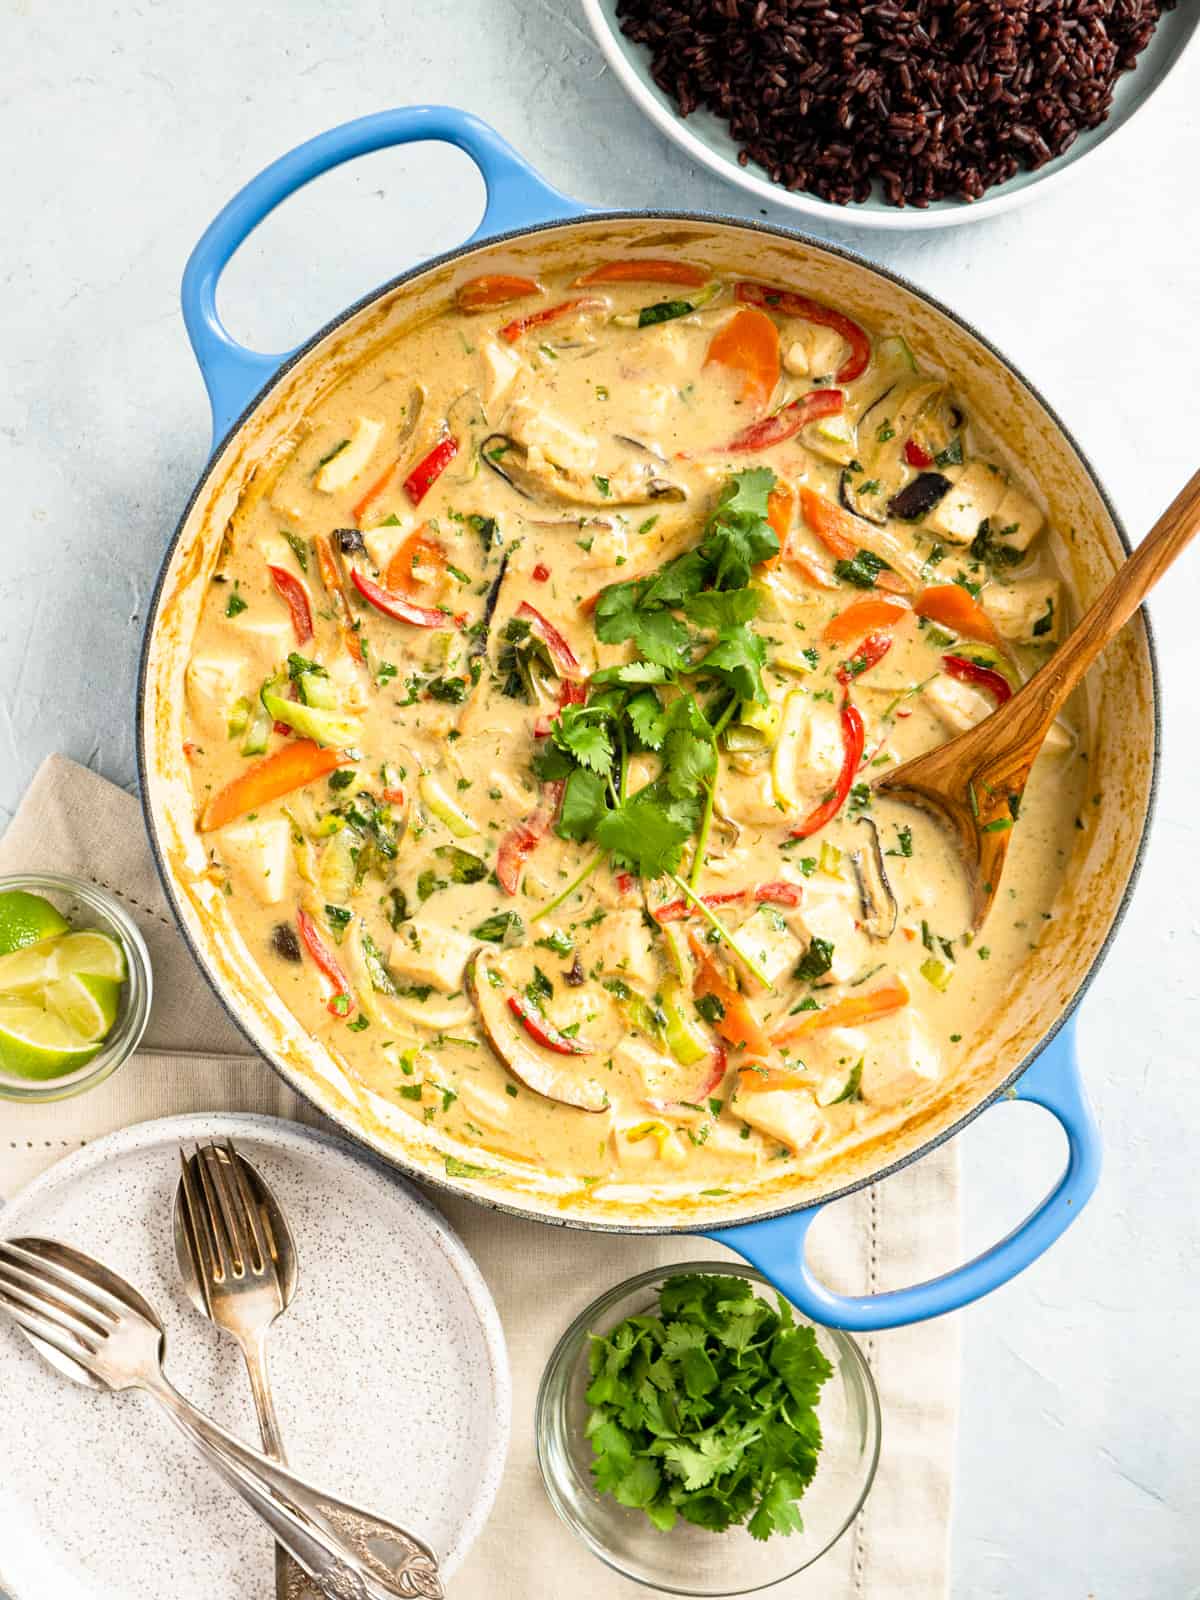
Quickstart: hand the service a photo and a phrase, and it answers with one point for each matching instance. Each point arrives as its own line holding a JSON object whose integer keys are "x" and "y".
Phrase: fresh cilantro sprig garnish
{"x": 698, "y": 660}
{"x": 708, "y": 1411}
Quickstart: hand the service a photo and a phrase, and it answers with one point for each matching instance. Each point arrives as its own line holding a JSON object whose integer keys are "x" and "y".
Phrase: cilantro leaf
{"x": 722, "y": 608}
{"x": 738, "y": 658}
{"x": 581, "y": 733}
{"x": 648, "y": 719}
{"x": 646, "y": 833}
{"x": 583, "y": 804}
{"x": 739, "y": 535}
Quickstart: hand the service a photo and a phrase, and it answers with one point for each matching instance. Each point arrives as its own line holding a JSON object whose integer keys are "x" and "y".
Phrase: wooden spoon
{"x": 975, "y": 782}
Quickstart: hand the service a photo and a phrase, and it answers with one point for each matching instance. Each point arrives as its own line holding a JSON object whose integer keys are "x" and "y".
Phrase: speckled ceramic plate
{"x": 390, "y": 1376}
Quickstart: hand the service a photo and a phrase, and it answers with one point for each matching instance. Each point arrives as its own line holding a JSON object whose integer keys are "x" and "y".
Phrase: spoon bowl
{"x": 974, "y": 783}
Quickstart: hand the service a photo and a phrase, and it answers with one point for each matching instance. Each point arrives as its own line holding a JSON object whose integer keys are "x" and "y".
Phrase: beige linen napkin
{"x": 886, "y": 1236}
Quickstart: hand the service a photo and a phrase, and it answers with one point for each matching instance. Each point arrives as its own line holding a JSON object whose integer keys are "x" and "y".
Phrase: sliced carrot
{"x": 748, "y": 345}
{"x": 780, "y": 504}
{"x": 811, "y": 569}
{"x": 418, "y": 550}
{"x": 764, "y": 1077}
{"x": 359, "y": 508}
{"x": 494, "y": 289}
{"x": 737, "y": 1025}
{"x": 299, "y": 762}
{"x": 950, "y": 605}
{"x": 843, "y": 534}
{"x": 646, "y": 270}
{"x": 331, "y": 578}
{"x": 858, "y": 619}
{"x": 849, "y": 1012}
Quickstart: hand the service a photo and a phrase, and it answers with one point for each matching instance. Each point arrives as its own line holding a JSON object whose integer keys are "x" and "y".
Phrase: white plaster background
{"x": 125, "y": 128}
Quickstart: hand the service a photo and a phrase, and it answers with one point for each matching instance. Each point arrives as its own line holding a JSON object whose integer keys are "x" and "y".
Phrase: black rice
{"x": 930, "y": 99}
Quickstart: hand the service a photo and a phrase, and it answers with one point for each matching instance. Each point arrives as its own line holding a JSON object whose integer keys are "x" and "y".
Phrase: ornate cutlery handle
{"x": 348, "y": 1553}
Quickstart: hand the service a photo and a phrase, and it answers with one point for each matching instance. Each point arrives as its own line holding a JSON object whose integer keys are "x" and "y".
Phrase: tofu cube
{"x": 829, "y": 911}
{"x": 790, "y": 1116}
{"x": 277, "y": 552}
{"x": 340, "y": 471}
{"x": 812, "y": 351}
{"x": 383, "y": 542}
{"x": 502, "y": 366}
{"x": 1028, "y": 611}
{"x": 767, "y": 937}
{"x": 214, "y": 685}
{"x": 832, "y": 1056}
{"x": 624, "y": 944}
{"x": 899, "y": 1059}
{"x": 1016, "y": 521}
{"x": 424, "y": 953}
{"x": 972, "y": 498}
{"x": 267, "y": 640}
{"x": 556, "y": 441}
{"x": 609, "y": 545}
{"x": 262, "y": 852}
{"x": 958, "y": 705}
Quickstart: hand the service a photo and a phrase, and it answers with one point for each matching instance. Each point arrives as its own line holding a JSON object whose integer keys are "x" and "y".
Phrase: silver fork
{"x": 239, "y": 1267}
{"x": 95, "y": 1328}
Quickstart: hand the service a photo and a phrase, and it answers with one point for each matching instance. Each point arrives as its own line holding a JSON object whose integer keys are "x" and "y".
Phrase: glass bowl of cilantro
{"x": 701, "y": 1436}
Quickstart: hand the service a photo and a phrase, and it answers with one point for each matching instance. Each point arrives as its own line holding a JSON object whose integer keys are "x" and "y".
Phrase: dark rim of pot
{"x": 600, "y": 219}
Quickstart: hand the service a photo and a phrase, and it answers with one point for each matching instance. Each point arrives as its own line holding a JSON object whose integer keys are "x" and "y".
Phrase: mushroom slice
{"x": 883, "y": 431}
{"x": 879, "y": 908}
{"x": 555, "y": 1078}
{"x": 632, "y": 483}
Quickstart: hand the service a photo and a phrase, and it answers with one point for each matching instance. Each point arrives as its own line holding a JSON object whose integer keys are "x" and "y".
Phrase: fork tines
{"x": 221, "y": 1216}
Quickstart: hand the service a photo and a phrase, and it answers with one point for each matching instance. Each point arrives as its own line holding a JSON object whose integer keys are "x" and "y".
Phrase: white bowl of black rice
{"x": 892, "y": 113}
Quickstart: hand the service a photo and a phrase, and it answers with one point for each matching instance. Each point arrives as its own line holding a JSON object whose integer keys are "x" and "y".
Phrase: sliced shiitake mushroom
{"x": 554, "y": 1077}
{"x": 878, "y": 903}
{"x": 917, "y": 499}
{"x": 883, "y": 431}
{"x": 632, "y": 483}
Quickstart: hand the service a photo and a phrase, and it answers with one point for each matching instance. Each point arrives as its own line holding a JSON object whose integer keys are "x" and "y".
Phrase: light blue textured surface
{"x": 1078, "y": 1472}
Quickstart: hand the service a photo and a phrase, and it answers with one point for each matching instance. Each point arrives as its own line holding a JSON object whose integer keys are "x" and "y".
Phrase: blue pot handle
{"x": 777, "y": 1247}
{"x": 516, "y": 198}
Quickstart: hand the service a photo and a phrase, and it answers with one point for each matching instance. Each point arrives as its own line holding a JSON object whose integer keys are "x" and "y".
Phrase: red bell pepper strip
{"x": 869, "y": 653}
{"x": 494, "y": 289}
{"x": 853, "y": 739}
{"x": 341, "y": 1003}
{"x": 863, "y": 615}
{"x": 645, "y": 271}
{"x": 430, "y": 468}
{"x": 303, "y": 761}
{"x": 331, "y": 578}
{"x": 543, "y": 1032}
{"x": 954, "y": 608}
{"x": 395, "y": 605}
{"x": 564, "y": 658}
{"x": 987, "y": 678}
{"x": 519, "y": 843}
{"x": 512, "y": 331}
{"x": 718, "y": 1065}
{"x": 799, "y": 305}
{"x": 849, "y": 1012}
{"x": 842, "y": 534}
{"x": 766, "y": 894}
{"x": 782, "y": 425}
{"x": 916, "y": 454}
{"x": 294, "y": 593}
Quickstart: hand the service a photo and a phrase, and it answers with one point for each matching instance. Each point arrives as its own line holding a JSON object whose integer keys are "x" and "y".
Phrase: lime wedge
{"x": 26, "y": 918}
{"x": 89, "y": 953}
{"x": 35, "y": 1043}
{"x": 89, "y": 1005}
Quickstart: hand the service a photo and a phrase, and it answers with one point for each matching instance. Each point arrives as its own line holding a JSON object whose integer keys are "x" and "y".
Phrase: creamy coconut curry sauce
{"x": 535, "y": 706}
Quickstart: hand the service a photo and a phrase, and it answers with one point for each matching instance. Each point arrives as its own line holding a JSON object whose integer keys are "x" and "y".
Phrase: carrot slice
{"x": 780, "y": 504}
{"x": 748, "y": 344}
{"x": 858, "y": 619}
{"x": 841, "y": 534}
{"x": 951, "y": 605}
{"x": 737, "y": 1025}
{"x": 764, "y": 1077}
{"x": 299, "y": 762}
{"x": 494, "y": 289}
{"x": 376, "y": 489}
{"x": 646, "y": 270}
{"x": 331, "y": 578}
{"x": 418, "y": 550}
{"x": 849, "y": 1012}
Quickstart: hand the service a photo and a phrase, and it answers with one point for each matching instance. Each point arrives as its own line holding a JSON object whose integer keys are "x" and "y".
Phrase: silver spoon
{"x": 96, "y": 1329}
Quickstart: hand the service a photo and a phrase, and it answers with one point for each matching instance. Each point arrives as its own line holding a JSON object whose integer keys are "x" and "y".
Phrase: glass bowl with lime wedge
{"x": 75, "y": 986}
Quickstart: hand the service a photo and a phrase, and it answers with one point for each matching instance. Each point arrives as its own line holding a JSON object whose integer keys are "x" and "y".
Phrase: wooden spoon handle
{"x": 1119, "y": 599}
